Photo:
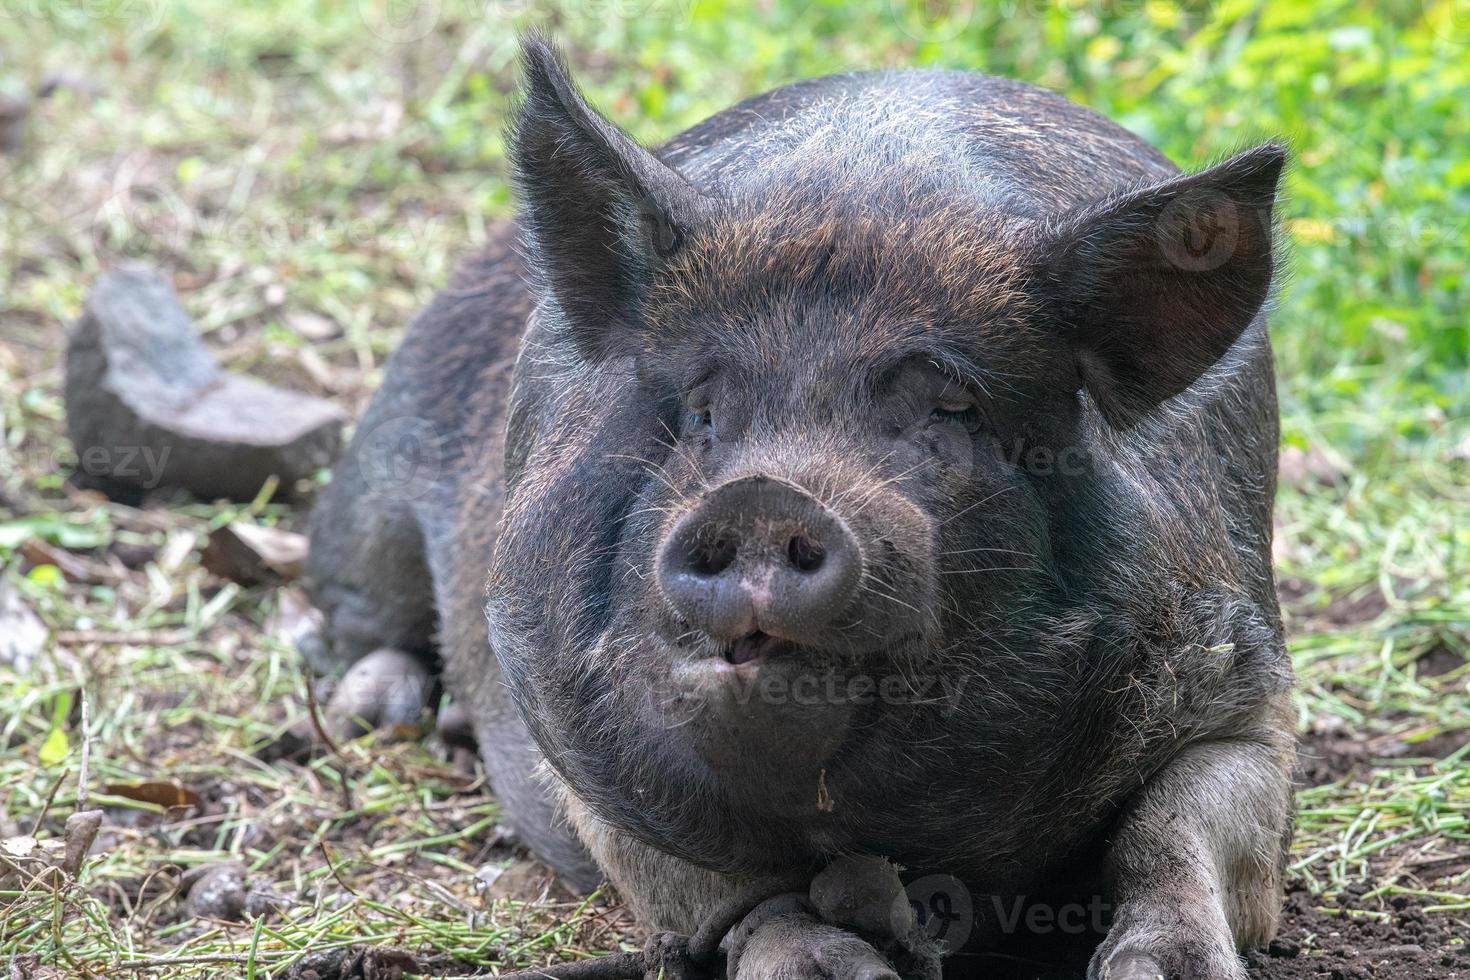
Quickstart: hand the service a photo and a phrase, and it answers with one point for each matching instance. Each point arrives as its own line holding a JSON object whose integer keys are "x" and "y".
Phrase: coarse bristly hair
{"x": 1006, "y": 346}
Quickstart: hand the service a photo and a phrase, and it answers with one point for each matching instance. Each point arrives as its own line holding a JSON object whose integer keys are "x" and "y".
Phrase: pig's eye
{"x": 700, "y": 416}
{"x": 959, "y": 408}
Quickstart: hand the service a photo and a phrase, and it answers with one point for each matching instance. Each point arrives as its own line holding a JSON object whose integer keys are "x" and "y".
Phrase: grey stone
{"x": 216, "y": 891}
{"x": 22, "y": 634}
{"x": 148, "y": 407}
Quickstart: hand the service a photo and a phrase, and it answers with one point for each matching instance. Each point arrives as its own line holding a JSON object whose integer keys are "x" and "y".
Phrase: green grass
{"x": 289, "y": 163}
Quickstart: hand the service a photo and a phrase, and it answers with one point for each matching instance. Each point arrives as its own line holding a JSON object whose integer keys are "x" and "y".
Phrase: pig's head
{"x": 803, "y": 455}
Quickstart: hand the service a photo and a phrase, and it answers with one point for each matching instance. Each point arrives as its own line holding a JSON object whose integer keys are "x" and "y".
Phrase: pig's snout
{"x": 760, "y": 555}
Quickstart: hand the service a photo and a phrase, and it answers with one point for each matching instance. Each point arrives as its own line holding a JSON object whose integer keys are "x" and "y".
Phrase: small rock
{"x": 486, "y": 877}
{"x": 386, "y": 689}
{"x": 147, "y": 406}
{"x": 81, "y": 831}
{"x": 264, "y": 900}
{"x": 22, "y": 634}
{"x": 313, "y": 326}
{"x": 216, "y": 891}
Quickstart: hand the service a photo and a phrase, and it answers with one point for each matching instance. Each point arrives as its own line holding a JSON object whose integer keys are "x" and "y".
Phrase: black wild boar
{"x": 883, "y": 466}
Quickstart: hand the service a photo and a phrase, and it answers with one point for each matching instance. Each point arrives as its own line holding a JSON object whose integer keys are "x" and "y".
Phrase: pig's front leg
{"x": 1196, "y": 863}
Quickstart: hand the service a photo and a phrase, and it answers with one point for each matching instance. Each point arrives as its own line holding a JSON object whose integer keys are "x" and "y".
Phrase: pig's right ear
{"x": 600, "y": 213}
{"x": 1154, "y": 285}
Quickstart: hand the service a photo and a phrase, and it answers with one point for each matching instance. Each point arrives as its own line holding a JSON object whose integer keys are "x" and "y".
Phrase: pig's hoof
{"x": 455, "y": 728}
{"x": 792, "y": 944}
{"x": 866, "y": 894}
{"x": 1132, "y": 966}
{"x": 386, "y": 690}
{"x": 1170, "y": 945}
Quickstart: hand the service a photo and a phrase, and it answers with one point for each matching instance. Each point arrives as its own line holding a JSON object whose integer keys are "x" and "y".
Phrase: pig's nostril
{"x": 712, "y": 558}
{"x": 805, "y": 554}
{"x": 759, "y": 554}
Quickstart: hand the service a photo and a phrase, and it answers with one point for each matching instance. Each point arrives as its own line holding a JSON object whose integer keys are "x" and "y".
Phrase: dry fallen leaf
{"x": 25, "y": 859}
{"x": 296, "y": 622}
{"x": 21, "y": 846}
{"x": 177, "y": 548}
{"x": 76, "y": 568}
{"x": 160, "y": 793}
{"x": 255, "y": 555}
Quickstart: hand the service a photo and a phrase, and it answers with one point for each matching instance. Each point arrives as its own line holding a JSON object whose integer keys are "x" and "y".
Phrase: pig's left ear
{"x": 1153, "y": 286}
{"x": 599, "y": 212}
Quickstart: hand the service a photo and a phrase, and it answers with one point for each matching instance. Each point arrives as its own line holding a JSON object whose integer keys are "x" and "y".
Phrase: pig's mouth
{"x": 759, "y": 648}
{"x": 755, "y": 648}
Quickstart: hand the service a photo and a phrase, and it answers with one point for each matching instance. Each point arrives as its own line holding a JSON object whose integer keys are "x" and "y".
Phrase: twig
{"x": 316, "y": 718}
{"x": 155, "y": 638}
{"x": 322, "y": 846}
{"x": 46, "y": 807}
{"x": 84, "y": 774}
{"x": 163, "y": 961}
{"x": 618, "y": 966}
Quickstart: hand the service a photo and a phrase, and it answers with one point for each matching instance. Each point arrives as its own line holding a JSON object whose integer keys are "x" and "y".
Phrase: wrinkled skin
{"x": 995, "y": 345}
